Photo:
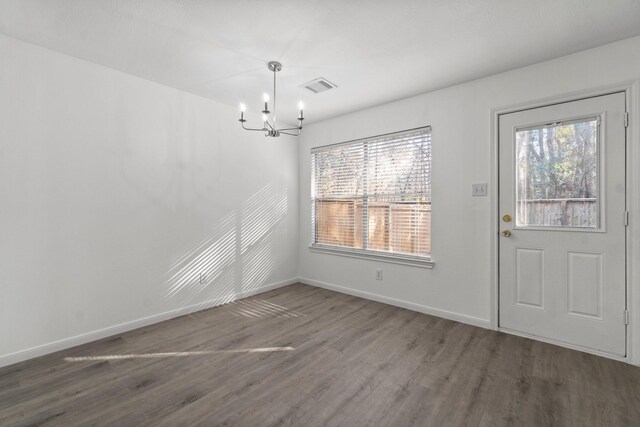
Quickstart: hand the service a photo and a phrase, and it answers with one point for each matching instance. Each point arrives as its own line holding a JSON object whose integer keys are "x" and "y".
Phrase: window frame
{"x": 371, "y": 254}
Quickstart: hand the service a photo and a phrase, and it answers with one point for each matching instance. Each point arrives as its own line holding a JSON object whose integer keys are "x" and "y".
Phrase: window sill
{"x": 378, "y": 256}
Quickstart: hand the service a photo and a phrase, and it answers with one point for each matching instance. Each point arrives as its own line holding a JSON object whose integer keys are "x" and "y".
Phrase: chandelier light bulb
{"x": 243, "y": 108}
{"x": 300, "y": 105}
{"x": 265, "y": 97}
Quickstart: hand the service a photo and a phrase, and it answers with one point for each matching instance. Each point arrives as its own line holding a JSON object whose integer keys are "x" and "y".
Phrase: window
{"x": 557, "y": 176}
{"x": 373, "y": 196}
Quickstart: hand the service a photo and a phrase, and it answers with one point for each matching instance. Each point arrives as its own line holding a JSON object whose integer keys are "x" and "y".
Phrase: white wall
{"x": 116, "y": 192}
{"x": 459, "y": 286}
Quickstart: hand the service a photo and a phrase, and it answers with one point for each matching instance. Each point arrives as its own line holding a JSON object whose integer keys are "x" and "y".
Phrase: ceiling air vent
{"x": 319, "y": 85}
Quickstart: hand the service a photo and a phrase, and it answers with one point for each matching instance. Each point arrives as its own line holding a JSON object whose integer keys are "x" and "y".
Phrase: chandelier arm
{"x": 289, "y": 133}
{"x": 295, "y": 128}
{"x": 259, "y": 130}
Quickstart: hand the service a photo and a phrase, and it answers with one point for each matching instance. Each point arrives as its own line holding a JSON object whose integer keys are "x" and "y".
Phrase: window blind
{"x": 374, "y": 194}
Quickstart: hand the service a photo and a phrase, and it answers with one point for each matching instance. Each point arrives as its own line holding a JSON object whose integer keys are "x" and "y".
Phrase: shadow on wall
{"x": 238, "y": 257}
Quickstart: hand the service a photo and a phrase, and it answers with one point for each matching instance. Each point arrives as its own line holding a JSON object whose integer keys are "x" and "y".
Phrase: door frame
{"x": 632, "y": 96}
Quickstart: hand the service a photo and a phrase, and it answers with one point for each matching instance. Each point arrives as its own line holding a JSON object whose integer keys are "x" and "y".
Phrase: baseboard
{"x": 52, "y": 347}
{"x": 462, "y": 318}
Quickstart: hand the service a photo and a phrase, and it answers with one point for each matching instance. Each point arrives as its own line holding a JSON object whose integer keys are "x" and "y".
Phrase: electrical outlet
{"x": 203, "y": 278}
{"x": 379, "y": 274}
{"x": 479, "y": 189}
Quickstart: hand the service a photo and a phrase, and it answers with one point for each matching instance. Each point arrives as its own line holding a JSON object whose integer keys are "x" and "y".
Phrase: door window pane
{"x": 557, "y": 176}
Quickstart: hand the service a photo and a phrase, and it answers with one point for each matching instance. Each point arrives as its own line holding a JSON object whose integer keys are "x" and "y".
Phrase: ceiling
{"x": 375, "y": 51}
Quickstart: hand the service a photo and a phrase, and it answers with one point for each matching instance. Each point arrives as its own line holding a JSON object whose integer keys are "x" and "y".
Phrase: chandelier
{"x": 269, "y": 126}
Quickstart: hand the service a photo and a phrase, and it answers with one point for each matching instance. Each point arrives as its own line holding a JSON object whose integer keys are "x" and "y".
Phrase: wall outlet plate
{"x": 479, "y": 189}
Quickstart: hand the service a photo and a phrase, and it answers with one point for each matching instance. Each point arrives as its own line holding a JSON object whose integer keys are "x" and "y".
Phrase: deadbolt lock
{"x": 506, "y": 233}
{"x": 506, "y": 218}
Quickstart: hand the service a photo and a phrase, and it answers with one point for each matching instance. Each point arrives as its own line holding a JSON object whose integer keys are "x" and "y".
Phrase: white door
{"x": 562, "y": 223}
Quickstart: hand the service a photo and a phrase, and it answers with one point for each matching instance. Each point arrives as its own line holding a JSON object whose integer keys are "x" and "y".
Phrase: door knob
{"x": 506, "y": 233}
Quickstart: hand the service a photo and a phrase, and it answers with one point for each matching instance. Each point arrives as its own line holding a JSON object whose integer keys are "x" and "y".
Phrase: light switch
{"x": 479, "y": 189}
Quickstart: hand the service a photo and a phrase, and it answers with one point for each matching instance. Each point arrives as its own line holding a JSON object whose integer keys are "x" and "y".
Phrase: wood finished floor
{"x": 318, "y": 358}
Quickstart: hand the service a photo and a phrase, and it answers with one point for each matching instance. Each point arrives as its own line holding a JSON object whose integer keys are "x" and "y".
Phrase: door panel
{"x": 562, "y": 202}
{"x": 585, "y": 284}
{"x": 530, "y": 277}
